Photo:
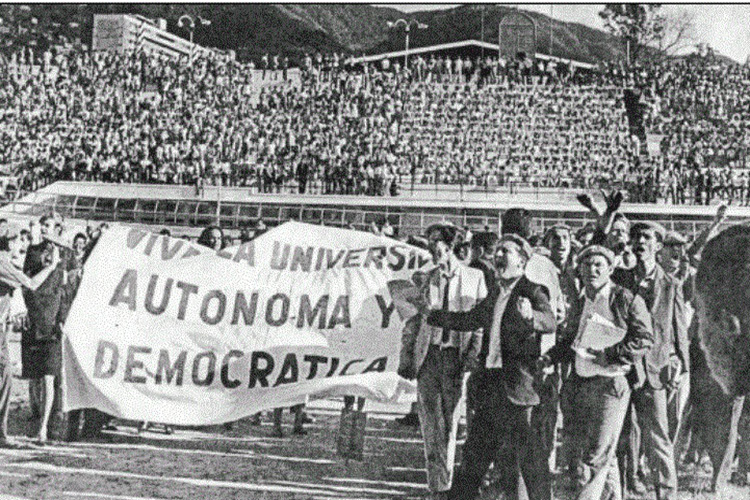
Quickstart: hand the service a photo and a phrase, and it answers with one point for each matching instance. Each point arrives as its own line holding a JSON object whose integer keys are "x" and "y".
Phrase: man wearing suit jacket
{"x": 663, "y": 365}
{"x": 514, "y": 316}
{"x": 438, "y": 357}
{"x": 596, "y": 395}
{"x": 483, "y": 254}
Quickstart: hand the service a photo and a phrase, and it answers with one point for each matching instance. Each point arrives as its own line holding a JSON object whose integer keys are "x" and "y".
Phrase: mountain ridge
{"x": 295, "y": 29}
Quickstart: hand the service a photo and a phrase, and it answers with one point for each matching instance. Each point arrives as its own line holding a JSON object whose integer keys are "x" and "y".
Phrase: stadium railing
{"x": 233, "y": 208}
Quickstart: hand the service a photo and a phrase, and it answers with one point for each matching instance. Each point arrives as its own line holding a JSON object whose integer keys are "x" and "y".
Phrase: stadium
{"x": 253, "y": 225}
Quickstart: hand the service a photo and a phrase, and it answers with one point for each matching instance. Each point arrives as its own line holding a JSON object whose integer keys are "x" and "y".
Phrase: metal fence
{"x": 359, "y": 213}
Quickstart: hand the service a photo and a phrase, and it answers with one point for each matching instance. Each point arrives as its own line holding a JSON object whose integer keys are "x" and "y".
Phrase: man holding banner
{"x": 437, "y": 357}
{"x": 10, "y": 279}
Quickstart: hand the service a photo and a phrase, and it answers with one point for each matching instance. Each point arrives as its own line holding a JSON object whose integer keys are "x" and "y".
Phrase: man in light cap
{"x": 11, "y": 278}
{"x": 438, "y": 357}
{"x": 608, "y": 332}
{"x": 663, "y": 367}
{"x": 514, "y": 317}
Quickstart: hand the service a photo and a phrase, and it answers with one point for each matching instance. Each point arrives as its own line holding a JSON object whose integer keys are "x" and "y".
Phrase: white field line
{"x": 281, "y": 458}
{"x": 242, "y": 453}
{"x": 14, "y": 474}
{"x": 149, "y": 447}
{"x": 81, "y": 494}
{"x": 383, "y": 482}
{"x": 181, "y": 435}
{"x": 301, "y": 488}
{"x": 406, "y": 469}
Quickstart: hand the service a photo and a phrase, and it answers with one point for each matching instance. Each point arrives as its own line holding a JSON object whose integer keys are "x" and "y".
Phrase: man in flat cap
{"x": 673, "y": 258}
{"x": 438, "y": 356}
{"x": 663, "y": 366}
{"x": 514, "y": 317}
{"x": 608, "y": 333}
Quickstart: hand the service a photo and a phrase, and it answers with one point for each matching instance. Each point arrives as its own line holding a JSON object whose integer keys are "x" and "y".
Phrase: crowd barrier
{"x": 184, "y": 211}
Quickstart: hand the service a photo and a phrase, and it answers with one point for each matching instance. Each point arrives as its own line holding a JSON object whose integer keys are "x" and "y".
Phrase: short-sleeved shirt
{"x": 10, "y": 279}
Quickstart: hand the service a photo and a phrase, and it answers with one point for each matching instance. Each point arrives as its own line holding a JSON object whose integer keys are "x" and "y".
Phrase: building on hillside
{"x": 125, "y": 33}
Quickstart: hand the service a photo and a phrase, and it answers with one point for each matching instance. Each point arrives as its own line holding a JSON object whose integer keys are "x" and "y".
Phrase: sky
{"x": 725, "y": 27}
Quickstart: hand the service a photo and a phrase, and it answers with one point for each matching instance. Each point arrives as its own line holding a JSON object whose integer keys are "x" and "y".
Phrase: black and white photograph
{"x": 352, "y": 251}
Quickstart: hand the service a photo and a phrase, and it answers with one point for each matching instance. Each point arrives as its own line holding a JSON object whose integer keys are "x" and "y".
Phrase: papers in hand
{"x": 598, "y": 334}
{"x": 583, "y": 352}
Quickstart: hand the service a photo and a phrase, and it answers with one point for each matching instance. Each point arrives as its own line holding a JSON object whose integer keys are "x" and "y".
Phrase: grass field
{"x": 244, "y": 463}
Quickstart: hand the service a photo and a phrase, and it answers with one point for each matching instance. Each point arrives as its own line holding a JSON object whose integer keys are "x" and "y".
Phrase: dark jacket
{"x": 45, "y": 304}
{"x": 630, "y": 313}
{"x": 521, "y": 339}
{"x": 669, "y": 324}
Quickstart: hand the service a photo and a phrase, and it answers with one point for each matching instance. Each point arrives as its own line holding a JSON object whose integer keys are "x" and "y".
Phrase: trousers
{"x": 439, "y": 388}
{"x": 650, "y": 419}
{"x": 507, "y": 435}
{"x": 6, "y": 380}
{"x": 595, "y": 409}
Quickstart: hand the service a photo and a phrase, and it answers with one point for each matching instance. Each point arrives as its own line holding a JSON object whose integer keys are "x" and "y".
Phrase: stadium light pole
{"x": 187, "y": 20}
{"x": 407, "y": 28}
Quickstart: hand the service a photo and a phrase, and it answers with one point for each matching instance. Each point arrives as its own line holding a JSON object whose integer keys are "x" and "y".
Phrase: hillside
{"x": 293, "y": 29}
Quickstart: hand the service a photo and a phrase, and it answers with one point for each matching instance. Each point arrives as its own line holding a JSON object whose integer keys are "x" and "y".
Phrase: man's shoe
{"x": 299, "y": 431}
{"x": 408, "y": 420}
{"x": 307, "y": 419}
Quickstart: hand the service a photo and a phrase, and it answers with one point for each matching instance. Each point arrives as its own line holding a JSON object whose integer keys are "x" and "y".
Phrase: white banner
{"x": 168, "y": 331}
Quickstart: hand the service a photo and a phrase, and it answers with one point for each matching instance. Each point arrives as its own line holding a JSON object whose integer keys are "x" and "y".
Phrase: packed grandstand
{"x": 379, "y": 128}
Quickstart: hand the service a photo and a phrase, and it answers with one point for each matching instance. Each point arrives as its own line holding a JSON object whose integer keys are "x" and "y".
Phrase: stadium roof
{"x": 457, "y": 45}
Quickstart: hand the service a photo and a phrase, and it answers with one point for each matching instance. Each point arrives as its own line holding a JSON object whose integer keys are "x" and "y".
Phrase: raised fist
{"x": 524, "y": 308}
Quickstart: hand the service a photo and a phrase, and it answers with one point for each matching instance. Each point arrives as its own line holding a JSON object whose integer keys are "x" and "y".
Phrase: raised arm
{"x": 695, "y": 249}
{"x": 465, "y": 321}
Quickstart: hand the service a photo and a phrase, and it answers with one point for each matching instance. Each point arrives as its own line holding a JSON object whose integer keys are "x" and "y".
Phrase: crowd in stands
{"x": 700, "y": 107}
{"x": 377, "y": 128}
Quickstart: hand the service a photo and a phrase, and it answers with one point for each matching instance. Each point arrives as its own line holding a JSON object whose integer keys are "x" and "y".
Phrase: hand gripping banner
{"x": 168, "y": 331}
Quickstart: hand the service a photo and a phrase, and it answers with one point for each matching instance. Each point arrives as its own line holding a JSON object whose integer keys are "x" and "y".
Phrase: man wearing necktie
{"x": 514, "y": 317}
{"x": 438, "y": 357}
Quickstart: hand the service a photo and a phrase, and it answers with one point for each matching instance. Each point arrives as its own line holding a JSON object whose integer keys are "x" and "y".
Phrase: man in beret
{"x": 514, "y": 317}
{"x": 438, "y": 356}
{"x": 663, "y": 367}
{"x": 608, "y": 333}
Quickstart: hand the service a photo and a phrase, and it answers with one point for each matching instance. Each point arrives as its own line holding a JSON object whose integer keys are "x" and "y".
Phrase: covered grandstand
{"x": 183, "y": 211}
